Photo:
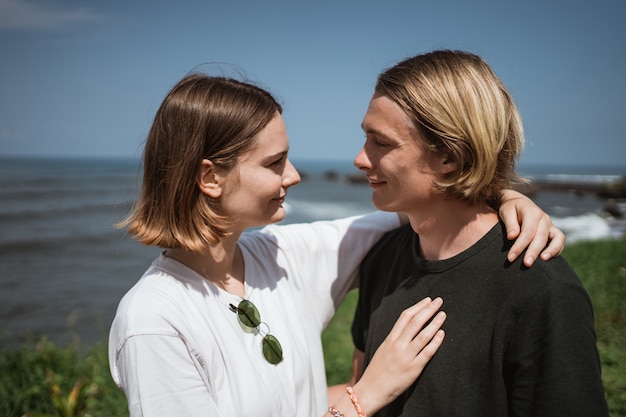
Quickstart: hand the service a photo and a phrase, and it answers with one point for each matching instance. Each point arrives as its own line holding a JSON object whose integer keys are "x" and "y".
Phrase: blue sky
{"x": 84, "y": 77}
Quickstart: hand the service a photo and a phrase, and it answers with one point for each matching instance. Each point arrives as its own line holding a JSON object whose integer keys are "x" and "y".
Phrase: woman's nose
{"x": 291, "y": 175}
{"x": 361, "y": 161}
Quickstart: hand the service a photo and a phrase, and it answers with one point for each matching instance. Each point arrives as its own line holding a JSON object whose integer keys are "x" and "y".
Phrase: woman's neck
{"x": 222, "y": 264}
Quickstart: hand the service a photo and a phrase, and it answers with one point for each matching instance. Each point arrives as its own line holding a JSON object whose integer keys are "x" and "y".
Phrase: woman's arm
{"x": 398, "y": 361}
{"x": 531, "y": 228}
{"x": 335, "y": 392}
{"x": 158, "y": 377}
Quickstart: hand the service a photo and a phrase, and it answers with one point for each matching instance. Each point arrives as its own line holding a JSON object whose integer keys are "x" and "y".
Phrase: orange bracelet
{"x": 355, "y": 402}
{"x": 334, "y": 412}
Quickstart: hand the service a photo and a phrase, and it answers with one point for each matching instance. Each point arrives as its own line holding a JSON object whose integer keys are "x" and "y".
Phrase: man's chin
{"x": 380, "y": 205}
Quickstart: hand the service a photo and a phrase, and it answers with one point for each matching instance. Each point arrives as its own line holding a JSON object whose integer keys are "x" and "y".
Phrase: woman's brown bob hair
{"x": 463, "y": 110}
{"x": 202, "y": 117}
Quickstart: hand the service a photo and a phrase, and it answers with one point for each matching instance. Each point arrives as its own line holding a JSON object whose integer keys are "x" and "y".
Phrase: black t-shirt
{"x": 519, "y": 341}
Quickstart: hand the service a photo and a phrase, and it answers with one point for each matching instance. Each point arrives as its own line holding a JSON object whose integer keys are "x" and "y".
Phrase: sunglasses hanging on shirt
{"x": 250, "y": 318}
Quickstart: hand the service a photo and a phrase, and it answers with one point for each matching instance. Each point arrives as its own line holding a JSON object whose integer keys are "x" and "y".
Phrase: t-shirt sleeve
{"x": 552, "y": 366}
{"x": 170, "y": 384}
{"x": 323, "y": 257}
{"x": 379, "y": 274}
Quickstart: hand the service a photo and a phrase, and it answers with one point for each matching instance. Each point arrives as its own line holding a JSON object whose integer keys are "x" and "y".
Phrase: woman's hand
{"x": 536, "y": 230}
{"x": 400, "y": 359}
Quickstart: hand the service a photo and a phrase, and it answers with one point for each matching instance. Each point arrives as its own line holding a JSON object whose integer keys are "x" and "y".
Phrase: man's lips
{"x": 375, "y": 183}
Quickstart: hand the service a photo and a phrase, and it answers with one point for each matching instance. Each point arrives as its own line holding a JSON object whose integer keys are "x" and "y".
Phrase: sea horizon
{"x": 585, "y": 168}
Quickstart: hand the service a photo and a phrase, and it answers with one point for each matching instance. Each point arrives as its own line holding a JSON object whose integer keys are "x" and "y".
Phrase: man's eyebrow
{"x": 374, "y": 131}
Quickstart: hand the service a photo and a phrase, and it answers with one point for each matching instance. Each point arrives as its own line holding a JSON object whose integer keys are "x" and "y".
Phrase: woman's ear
{"x": 208, "y": 180}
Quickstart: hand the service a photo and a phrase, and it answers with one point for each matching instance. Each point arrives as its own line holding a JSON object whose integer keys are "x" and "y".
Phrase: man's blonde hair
{"x": 463, "y": 110}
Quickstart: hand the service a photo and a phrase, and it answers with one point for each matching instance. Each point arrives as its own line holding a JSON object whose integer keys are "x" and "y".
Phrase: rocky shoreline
{"x": 614, "y": 192}
{"x": 609, "y": 189}
{"x": 614, "y": 189}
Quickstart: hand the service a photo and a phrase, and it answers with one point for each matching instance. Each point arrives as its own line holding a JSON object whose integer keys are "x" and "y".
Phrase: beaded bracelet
{"x": 334, "y": 412}
{"x": 355, "y": 402}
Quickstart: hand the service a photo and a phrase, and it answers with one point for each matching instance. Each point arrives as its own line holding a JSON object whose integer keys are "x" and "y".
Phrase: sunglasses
{"x": 249, "y": 317}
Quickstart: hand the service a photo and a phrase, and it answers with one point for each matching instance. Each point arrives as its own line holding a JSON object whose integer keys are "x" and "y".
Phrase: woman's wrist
{"x": 347, "y": 406}
{"x": 355, "y": 403}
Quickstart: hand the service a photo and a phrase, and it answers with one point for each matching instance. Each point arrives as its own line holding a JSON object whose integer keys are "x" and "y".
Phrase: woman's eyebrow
{"x": 276, "y": 155}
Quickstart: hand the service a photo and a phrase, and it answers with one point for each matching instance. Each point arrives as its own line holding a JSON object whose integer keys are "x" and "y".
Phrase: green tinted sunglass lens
{"x": 272, "y": 350}
{"x": 248, "y": 314}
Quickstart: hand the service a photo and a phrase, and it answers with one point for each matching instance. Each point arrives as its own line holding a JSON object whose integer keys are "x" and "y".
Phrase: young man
{"x": 442, "y": 138}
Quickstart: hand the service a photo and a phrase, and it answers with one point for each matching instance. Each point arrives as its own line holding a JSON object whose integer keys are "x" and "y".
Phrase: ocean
{"x": 64, "y": 266}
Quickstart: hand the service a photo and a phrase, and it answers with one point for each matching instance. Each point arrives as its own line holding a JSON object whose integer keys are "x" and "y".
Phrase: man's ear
{"x": 208, "y": 181}
{"x": 446, "y": 164}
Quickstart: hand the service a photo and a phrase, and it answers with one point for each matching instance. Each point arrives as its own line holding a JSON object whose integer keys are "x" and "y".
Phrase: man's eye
{"x": 376, "y": 141}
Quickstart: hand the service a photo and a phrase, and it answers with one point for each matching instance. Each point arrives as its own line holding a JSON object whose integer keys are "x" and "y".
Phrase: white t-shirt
{"x": 176, "y": 349}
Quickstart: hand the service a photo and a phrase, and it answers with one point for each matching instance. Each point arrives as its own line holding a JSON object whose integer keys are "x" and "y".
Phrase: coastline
{"x": 612, "y": 189}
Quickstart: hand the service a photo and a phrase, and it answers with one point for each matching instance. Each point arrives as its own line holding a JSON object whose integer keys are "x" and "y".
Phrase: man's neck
{"x": 449, "y": 227}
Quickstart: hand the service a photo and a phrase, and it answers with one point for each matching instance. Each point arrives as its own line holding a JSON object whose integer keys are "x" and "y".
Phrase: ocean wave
{"x": 590, "y": 226}
{"x": 60, "y": 209}
{"x": 306, "y": 211}
{"x": 576, "y": 178}
{"x": 54, "y": 240}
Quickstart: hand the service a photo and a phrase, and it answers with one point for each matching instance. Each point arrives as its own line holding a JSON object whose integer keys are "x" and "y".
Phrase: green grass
{"x": 602, "y": 269}
{"x": 601, "y": 266}
{"x": 38, "y": 380}
{"x": 337, "y": 341}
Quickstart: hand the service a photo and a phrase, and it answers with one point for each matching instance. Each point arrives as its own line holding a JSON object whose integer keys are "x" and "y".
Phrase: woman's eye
{"x": 277, "y": 162}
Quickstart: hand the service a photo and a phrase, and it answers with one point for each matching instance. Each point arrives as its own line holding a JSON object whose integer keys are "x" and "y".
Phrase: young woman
{"x": 227, "y": 323}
